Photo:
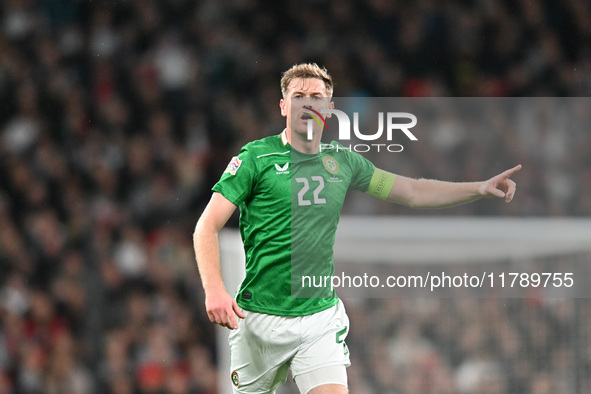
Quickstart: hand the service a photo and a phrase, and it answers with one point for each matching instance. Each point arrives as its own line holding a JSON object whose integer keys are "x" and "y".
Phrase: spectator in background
{"x": 114, "y": 123}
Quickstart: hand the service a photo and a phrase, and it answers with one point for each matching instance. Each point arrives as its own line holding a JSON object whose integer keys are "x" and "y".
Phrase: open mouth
{"x": 306, "y": 116}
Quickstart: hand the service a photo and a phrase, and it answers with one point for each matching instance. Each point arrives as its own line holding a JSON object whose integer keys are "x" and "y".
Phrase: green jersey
{"x": 290, "y": 203}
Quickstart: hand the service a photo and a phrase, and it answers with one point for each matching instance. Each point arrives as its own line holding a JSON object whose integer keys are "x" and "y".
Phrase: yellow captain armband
{"x": 381, "y": 183}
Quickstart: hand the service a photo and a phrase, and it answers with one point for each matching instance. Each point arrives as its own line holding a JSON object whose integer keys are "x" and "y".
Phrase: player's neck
{"x": 302, "y": 144}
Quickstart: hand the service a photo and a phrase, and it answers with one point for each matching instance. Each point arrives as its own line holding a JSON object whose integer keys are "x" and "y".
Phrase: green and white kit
{"x": 290, "y": 204}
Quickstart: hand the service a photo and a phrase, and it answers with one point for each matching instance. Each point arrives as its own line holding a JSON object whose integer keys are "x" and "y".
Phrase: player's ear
{"x": 283, "y": 107}
{"x": 330, "y": 106}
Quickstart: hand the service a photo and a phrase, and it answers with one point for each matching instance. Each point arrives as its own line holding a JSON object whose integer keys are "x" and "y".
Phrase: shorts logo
{"x": 330, "y": 164}
{"x": 234, "y": 165}
{"x": 282, "y": 169}
{"x": 235, "y": 379}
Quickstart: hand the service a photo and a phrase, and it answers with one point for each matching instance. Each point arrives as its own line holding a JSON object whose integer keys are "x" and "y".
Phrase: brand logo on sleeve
{"x": 233, "y": 166}
{"x": 235, "y": 379}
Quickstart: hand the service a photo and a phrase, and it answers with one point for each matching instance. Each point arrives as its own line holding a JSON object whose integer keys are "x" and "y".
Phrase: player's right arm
{"x": 221, "y": 307}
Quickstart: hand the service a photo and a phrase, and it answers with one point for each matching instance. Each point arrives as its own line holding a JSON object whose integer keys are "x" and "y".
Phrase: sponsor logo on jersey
{"x": 235, "y": 380}
{"x": 234, "y": 165}
{"x": 282, "y": 169}
{"x": 330, "y": 164}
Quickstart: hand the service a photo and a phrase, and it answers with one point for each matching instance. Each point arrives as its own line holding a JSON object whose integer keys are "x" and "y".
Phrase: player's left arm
{"x": 430, "y": 193}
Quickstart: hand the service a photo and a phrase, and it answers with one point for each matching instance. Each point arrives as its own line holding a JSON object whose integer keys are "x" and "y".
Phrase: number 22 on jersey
{"x": 318, "y": 183}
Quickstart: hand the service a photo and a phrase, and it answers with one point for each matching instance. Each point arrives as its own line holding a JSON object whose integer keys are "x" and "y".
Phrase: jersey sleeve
{"x": 363, "y": 170}
{"x": 237, "y": 181}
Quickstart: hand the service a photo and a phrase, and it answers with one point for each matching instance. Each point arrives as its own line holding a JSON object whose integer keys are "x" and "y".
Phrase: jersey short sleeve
{"x": 237, "y": 181}
{"x": 363, "y": 170}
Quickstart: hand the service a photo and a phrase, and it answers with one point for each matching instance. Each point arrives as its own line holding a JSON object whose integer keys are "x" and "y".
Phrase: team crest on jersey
{"x": 235, "y": 380}
{"x": 282, "y": 169}
{"x": 234, "y": 165}
{"x": 330, "y": 164}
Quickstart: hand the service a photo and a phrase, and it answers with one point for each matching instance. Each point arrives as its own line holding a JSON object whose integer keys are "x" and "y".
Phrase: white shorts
{"x": 264, "y": 347}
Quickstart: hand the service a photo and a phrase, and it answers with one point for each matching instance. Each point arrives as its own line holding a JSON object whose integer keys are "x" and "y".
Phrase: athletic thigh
{"x": 329, "y": 380}
{"x": 260, "y": 352}
{"x": 323, "y": 341}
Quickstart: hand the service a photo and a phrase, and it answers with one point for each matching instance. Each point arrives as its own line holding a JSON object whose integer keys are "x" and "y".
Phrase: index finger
{"x": 511, "y": 171}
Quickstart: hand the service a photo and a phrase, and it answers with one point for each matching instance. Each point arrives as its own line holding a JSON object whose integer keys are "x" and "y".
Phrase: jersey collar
{"x": 284, "y": 137}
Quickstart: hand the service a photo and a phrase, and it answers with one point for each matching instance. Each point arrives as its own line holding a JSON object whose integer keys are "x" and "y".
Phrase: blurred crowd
{"x": 117, "y": 117}
{"x": 469, "y": 346}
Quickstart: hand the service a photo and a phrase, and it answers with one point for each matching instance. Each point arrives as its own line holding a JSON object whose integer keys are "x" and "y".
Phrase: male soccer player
{"x": 290, "y": 194}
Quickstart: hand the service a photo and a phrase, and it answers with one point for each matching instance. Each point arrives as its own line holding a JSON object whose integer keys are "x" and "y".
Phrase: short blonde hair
{"x": 306, "y": 70}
